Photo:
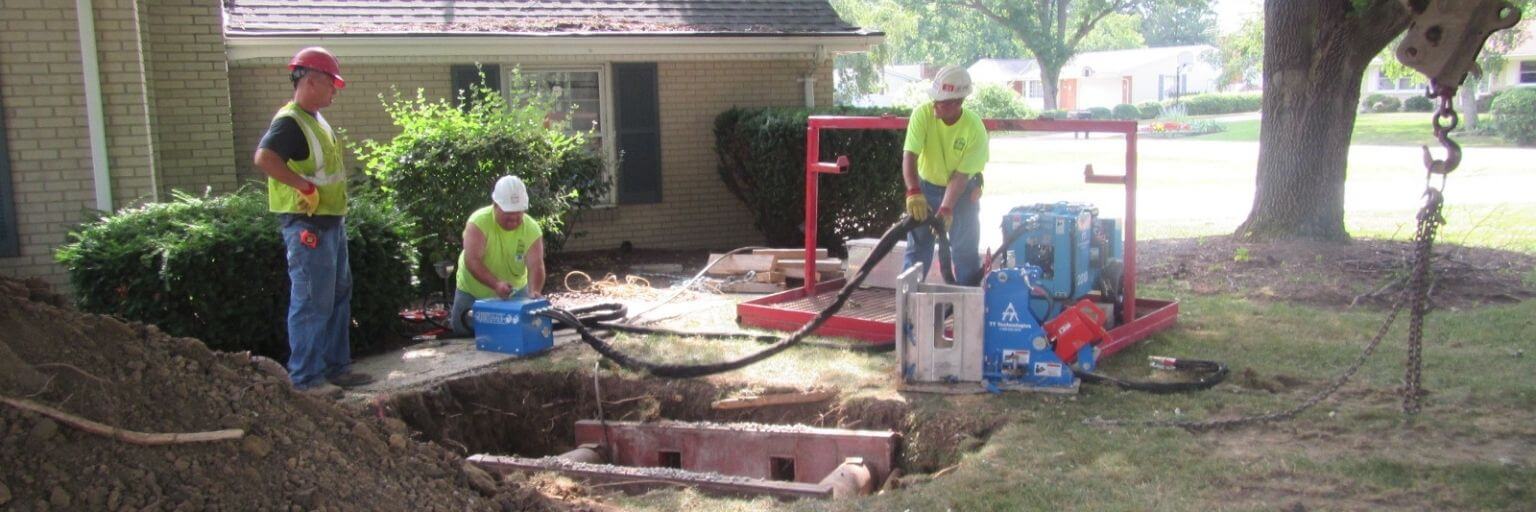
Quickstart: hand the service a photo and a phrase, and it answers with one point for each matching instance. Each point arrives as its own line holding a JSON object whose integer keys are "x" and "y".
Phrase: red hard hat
{"x": 319, "y": 59}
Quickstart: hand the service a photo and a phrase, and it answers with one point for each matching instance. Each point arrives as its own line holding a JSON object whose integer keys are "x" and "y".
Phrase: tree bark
{"x": 1049, "y": 85}
{"x": 1315, "y": 55}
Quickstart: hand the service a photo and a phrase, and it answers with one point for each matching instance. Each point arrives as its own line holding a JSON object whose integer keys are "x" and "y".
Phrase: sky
{"x": 1230, "y": 14}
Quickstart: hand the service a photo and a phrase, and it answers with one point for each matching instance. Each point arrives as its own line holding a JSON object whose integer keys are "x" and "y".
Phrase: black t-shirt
{"x": 286, "y": 139}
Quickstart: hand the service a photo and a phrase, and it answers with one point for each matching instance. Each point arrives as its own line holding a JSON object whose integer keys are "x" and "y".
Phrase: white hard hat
{"x": 950, "y": 83}
{"x": 510, "y": 194}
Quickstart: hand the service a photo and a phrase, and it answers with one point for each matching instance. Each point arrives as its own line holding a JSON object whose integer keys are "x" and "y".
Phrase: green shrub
{"x": 1418, "y": 104}
{"x": 1150, "y": 110}
{"x": 997, "y": 102}
{"x": 1127, "y": 112}
{"x": 1220, "y": 103}
{"x": 762, "y": 162}
{"x": 1055, "y": 114}
{"x": 214, "y": 268}
{"x": 1098, "y": 113}
{"x": 1514, "y": 115}
{"x": 441, "y": 166}
{"x": 1381, "y": 103}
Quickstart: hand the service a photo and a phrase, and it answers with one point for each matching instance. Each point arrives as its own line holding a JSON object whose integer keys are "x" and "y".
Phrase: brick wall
{"x": 189, "y": 94}
{"x": 42, "y": 83}
{"x": 697, "y": 211}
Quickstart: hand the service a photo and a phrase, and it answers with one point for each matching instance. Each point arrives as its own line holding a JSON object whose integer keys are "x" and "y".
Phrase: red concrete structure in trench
{"x": 795, "y": 454}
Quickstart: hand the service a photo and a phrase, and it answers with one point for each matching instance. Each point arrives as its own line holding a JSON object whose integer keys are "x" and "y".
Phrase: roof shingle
{"x": 777, "y": 17}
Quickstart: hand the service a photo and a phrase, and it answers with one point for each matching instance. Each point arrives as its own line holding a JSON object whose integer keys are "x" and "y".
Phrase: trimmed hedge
{"x": 1098, "y": 113}
{"x": 1514, "y": 116}
{"x": 1418, "y": 104}
{"x": 215, "y": 268}
{"x": 1223, "y": 103}
{"x": 1127, "y": 112}
{"x": 1150, "y": 110}
{"x": 1381, "y": 103}
{"x": 762, "y": 162}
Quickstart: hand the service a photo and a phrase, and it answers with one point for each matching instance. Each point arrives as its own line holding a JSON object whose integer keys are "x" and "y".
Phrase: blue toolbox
{"x": 512, "y": 326}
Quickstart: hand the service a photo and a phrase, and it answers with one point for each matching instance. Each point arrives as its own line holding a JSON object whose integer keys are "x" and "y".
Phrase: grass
{"x": 1391, "y": 129}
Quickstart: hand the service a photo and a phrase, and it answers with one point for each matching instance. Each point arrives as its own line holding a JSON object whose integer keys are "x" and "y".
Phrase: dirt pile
{"x": 298, "y": 452}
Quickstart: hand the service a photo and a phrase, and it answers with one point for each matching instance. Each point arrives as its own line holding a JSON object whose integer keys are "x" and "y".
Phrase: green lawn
{"x": 1396, "y": 129}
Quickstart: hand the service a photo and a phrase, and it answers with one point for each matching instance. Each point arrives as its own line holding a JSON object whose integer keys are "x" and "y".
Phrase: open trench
{"x": 533, "y": 414}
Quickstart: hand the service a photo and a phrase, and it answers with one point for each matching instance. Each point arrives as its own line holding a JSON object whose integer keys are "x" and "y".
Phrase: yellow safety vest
{"x": 323, "y": 167}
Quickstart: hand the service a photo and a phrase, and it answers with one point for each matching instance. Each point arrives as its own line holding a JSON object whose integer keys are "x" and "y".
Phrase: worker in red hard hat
{"x": 307, "y": 189}
{"x": 942, "y": 159}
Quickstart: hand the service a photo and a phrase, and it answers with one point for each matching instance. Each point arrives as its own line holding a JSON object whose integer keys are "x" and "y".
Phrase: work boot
{"x": 351, "y": 379}
{"x": 323, "y": 390}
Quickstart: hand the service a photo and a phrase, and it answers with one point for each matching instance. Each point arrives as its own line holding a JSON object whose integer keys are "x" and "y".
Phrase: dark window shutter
{"x": 9, "y": 240}
{"x": 638, "y": 130}
{"x": 466, "y": 76}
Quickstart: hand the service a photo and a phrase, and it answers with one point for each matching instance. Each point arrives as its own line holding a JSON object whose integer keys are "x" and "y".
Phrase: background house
{"x": 1108, "y": 78}
{"x": 187, "y": 87}
{"x": 1518, "y": 70}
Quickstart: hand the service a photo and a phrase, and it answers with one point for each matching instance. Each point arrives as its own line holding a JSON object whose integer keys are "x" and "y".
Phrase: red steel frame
{"x": 761, "y": 313}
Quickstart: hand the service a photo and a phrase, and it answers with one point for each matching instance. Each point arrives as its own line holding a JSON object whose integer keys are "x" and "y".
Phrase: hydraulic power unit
{"x": 512, "y": 326}
{"x": 1075, "y": 250}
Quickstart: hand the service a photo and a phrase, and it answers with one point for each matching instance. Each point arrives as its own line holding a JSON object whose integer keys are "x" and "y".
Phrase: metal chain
{"x": 1417, "y": 295}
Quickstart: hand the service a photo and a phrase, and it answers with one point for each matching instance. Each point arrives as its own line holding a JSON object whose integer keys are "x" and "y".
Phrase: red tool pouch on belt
{"x": 1081, "y": 324}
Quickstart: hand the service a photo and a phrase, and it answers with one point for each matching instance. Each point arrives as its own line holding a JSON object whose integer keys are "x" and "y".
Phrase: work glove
{"x": 917, "y": 205}
{"x": 310, "y": 199}
{"x": 947, "y": 215}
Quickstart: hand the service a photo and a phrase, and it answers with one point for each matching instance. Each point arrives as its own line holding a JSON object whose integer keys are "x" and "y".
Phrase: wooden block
{"x": 791, "y": 253}
{"x": 740, "y": 264}
{"x": 775, "y": 277}
{"x": 799, "y": 273}
{"x": 750, "y": 287}
{"x": 824, "y": 265}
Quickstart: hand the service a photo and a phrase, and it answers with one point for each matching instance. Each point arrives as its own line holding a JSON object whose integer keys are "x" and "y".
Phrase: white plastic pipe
{"x": 96, "y": 122}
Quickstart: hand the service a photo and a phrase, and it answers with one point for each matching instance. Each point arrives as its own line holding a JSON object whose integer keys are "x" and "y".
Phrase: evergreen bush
{"x": 215, "y": 268}
{"x": 997, "y": 102}
{"x": 1418, "y": 104}
{"x": 1150, "y": 110}
{"x": 762, "y": 162}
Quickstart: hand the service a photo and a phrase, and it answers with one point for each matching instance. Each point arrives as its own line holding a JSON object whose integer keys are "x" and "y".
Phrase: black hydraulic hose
{"x": 1210, "y": 374}
{"x": 681, "y": 371}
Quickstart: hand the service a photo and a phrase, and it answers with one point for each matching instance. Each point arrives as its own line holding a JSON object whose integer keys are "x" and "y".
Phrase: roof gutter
{"x": 95, "y": 121}
{"x": 281, "y": 45}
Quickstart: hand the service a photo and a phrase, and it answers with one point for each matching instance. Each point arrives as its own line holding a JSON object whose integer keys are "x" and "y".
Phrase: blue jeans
{"x": 964, "y": 235}
{"x": 463, "y": 302}
{"x": 320, "y": 300}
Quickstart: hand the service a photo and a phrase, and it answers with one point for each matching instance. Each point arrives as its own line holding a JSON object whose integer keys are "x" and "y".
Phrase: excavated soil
{"x": 298, "y": 452}
{"x": 1364, "y": 272}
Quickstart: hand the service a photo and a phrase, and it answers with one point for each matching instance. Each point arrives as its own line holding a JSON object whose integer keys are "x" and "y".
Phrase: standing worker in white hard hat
{"x": 307, "y": 188}
{"x": 942, "y": 160}
{"x": 503, "y": 253}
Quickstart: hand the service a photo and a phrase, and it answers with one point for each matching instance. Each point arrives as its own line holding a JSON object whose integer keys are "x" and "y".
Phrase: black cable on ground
{"x": 1210, "y": 374}
{"x": 887, "y": 241}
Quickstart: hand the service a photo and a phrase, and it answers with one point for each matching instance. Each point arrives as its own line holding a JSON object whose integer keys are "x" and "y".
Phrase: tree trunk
{"x": 1315, "y": 55}
{"x": 1468, "y": 103}
{"x": 1049, "y": 85}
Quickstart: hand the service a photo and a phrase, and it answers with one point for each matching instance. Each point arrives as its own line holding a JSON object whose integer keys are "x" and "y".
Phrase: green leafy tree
{"x": 1178, "y": 23}
{"x": 1052, "y": 30}
{"x": 914, "y": 33}
{"x": 1240, "y": 55}
{"x": 1117, "y": 32}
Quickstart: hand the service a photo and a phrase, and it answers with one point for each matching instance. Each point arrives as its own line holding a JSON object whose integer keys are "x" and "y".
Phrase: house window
{"x": 581, "y": 97}
{"x": 1528, "y": 72}
{"x": 1385, "y": 83}
{"x": 1032, "y": 89}
{"x": 9, "y": 239}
